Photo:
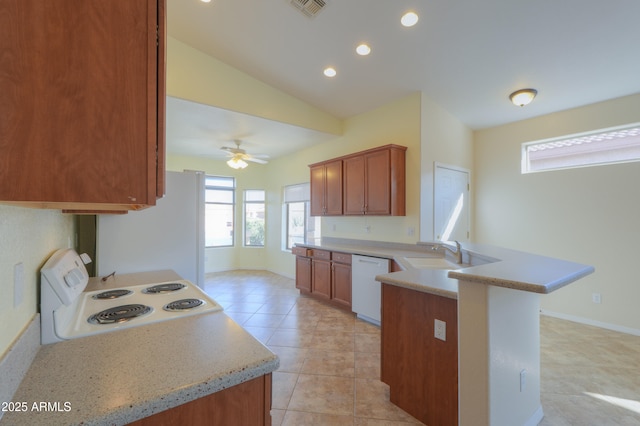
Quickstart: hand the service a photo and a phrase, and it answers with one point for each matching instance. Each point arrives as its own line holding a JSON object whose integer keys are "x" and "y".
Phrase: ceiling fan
{"x": 239, "y": 155}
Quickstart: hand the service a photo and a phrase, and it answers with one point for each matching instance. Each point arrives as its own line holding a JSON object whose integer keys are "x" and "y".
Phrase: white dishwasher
{"x": 366, "y": 292}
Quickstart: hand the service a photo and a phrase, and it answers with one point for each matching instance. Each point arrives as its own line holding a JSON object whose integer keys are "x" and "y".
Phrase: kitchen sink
{"x": 433, "y": 263}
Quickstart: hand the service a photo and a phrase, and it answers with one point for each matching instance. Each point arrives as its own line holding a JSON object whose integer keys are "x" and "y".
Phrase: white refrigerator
{"x": 169, "y": 235}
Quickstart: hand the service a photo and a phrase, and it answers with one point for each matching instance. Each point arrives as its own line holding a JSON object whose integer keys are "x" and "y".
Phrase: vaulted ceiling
{"x": 466, "y": 55}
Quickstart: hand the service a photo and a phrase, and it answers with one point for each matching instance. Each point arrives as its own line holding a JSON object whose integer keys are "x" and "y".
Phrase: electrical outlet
{"x": 411, "y": 231}
{"x": 523, "y": 379}
{"x": 440, "y": 330}
{"x": 596, "y": 298}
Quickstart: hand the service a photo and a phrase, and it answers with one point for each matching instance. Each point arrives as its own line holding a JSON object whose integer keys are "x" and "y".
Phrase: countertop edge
{"x": 499, "y": 267}
{"x": 523, "y": 285}
{"x": 393, "y": 279}
{"x": 162, "y": 402}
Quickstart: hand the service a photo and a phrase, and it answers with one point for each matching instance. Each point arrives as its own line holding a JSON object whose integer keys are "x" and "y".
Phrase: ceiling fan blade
{"x": 234, "y": 151}
{"x": 256, "y": 160}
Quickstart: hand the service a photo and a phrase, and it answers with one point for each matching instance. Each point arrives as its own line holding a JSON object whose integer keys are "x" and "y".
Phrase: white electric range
{"x": 68, "y": 312}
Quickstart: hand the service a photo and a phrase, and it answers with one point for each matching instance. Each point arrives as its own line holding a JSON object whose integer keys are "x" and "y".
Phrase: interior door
{"x": 451, "y": 203}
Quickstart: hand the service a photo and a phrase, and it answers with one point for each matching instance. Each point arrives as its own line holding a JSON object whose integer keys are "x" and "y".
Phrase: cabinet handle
{"x": 375, "y": 262}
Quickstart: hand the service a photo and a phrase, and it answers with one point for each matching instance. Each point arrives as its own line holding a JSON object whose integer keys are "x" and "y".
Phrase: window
{"x": 254, "y": 218}
{"x": 606, "y": 146}
{"x": 300, "y": 226}
{"x": 219, "y": 211}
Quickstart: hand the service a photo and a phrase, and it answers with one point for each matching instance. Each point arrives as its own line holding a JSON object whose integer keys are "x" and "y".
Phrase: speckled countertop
{"x": 483, "y": 264}
{"x": 119, "y": 377}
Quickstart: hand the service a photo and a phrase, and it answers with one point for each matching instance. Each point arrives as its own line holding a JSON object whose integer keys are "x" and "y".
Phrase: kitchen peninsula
{"x": 202, "y": 368}
{"x": 496, "y": 334}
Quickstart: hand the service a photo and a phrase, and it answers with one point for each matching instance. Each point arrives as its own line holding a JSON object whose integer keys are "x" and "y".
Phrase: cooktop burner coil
{"x": 164, "y": 288}
{"x": 182, "y": 305}
{"x": 120, "y": 314}
{"x": 112, "y": 294}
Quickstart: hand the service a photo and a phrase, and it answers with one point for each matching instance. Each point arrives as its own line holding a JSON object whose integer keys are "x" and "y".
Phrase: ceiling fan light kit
{"x": 237, "y": 163}
{"x": 239, "y": 155}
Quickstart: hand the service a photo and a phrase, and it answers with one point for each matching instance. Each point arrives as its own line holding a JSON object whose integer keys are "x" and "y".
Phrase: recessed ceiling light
{"x": 363, "y": 49}
{"x": 330, "y": 72}
{"x": 409, "y": 19}
{"x": 205, "y": 1}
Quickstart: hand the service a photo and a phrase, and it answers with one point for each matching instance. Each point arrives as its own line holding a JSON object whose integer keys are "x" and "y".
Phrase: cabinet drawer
{"x": 300, "y": 251}
{"x": 341, "y": 258}
{"x": 319, "y": 254}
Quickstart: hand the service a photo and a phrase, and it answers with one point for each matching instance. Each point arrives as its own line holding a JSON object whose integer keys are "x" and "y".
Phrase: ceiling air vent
{"x": 309, "y": 7}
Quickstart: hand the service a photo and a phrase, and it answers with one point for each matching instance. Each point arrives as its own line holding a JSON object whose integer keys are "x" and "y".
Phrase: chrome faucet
{"x": 457, "y": 251}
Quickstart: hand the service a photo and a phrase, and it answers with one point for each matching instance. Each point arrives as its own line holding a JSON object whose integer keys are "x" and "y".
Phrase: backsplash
{"x": 27, "y": 236}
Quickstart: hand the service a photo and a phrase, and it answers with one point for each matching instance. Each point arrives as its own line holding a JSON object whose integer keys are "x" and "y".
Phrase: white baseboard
{"x": 587, "y": 321}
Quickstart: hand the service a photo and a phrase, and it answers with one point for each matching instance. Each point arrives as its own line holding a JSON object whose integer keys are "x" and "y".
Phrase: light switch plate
{"x": 440, "y": 330}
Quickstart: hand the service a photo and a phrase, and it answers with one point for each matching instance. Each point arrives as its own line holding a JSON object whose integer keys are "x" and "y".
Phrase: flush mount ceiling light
{"x": 237, "y": 163}
{"x": 363, "y": 49}
{"x": 330, "y": 72}
{"x": 523, "y": 97}
{"x": 409, "y": 19}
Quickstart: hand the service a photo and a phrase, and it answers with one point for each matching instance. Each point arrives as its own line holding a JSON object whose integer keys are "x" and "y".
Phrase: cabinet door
{"x": 354, "y": 175}
{"x": 321, "y": 278}
{"x": 303, "y": 273}
{"x": 333, "y": 193}
{"x": 326, "y": 188}
{"x": 317, "y": 190}
{"x": 377, "y": 185}
{"x": 421, "y": 371}
{"x": 248, "y": 403}
{"x": 341, "y": 284}
{"x": 82, "y": 111}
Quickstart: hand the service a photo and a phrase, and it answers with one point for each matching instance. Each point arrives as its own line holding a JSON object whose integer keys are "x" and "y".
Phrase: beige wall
{"x": 29, "y": 236}
{"x": 588, "y": 215}
{"x": 445, "y": 140}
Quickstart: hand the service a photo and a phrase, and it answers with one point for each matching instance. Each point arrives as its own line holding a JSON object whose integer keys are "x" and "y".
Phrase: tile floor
{"x": 330, "y": 361}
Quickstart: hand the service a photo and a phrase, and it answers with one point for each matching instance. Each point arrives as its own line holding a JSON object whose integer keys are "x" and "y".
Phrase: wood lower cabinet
{"x": 248, "y": 403}
{"x": 341, "y": 279}
{"x": 421, "y": 371}
{"x": 321, "y": 275}
{"x": 83, "y": 103}
{"x": 324, "y": 274}
{"x": 303, "y": 273}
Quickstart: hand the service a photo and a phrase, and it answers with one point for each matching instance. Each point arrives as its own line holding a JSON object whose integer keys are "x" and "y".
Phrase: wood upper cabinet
{"x": 83, "y": 103}
{"x": 374, "y": 182}
{"x": 370, "y": 182}
{"x": 326, "y": 188}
